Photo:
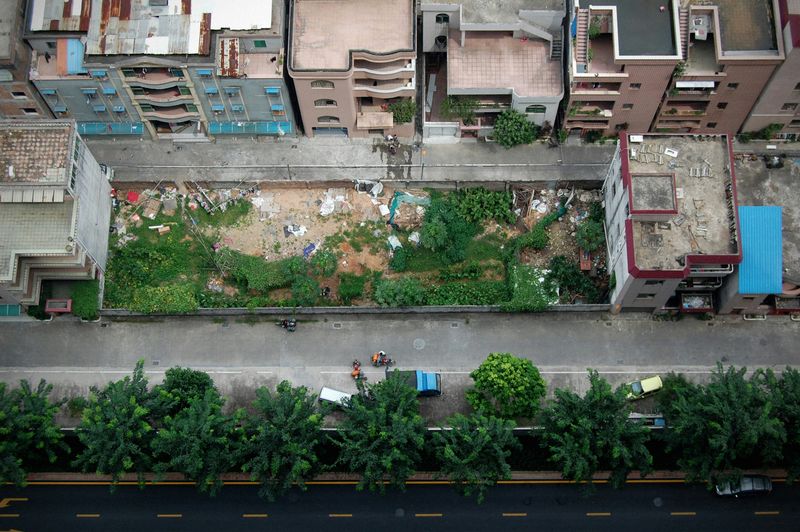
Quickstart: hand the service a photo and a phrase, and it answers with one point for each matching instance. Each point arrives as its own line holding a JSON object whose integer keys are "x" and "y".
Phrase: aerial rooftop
{"x": 680, "y": 199}
{"x": 645, "y": 27}
{"x": 746, "y": 25}
{"x": 490, "y": 60}
{"x": 498, "y": 11}
{"x": 325, "y": 31}
{"x": 34, "y": 154}
{"x": 148, "y": 26}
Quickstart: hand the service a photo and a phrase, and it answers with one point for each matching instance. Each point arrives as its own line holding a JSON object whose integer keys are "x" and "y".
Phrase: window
{"x": 322, "y": 84}
{"x": 138, "y": 91}
{"x": 627, "y": 106}
{"x": 51, "y": 45}
{"x": 733, "y": 86}
{"x": 645, "y": 297}
{"x": 651, "y": 282}
{"x": 635, "y": 86}
{"x": 31, "y": 111}
{"x": 536, "y": 109}
{"x": 146, "y": 108}
{"x": 192, "y": 108}
{"x": 260, "y": 43}
{"x": 442, "y": 18}
{"x": 722, "y": 105}
{"x": 324, "y": 102}
{"x": 129, "y": 72}
{"x": 184, "y": 91}
{"x": 328, "y": 120}
{"x": 786, "y": 107}
{"x": 441, "y": 41}
{"x": 797, "y": 87}
{"x": 711, "y": 125}
{"x": 18, "y": 95}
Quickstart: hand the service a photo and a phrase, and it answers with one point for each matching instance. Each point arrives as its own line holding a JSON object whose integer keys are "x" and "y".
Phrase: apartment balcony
{"x": 385, "y": 89}
{"x": 367, "y": 119}
{"x": 595, "y": 89}
{"x": 156, "y": 78}
{"x": 580, "y": 124}
{"x": 169, "y": 96}
{"x": 599, "y": 61}
{"x": 492, "y": 104}
{"x": 664, "y": 125}
{"x": 680, "y": 111}
{"x": 401, "y": 68}
{"x": 172, "y": 114}
{"x": 683, "y": 95}
{"x": 591, "y": 110}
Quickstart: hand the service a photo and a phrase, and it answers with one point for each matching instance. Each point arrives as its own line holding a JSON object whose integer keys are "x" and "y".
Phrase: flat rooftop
{"x": 689, "y": 175}
{"x": 643, "y": 29}
{"x": 493, "y": 60}
{"x": 31, "y": 154}
{"x": 759, "y": 186}
{"x": 325, "y": 31}
{"x": 746, "y": 25}
{"x": 498, "y": 11}
{"x": 33, "y": 228}
{"x": 142, "y": 27}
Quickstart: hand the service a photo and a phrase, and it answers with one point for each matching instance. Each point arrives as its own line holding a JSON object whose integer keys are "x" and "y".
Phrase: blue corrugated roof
{"x": 761, "y": 270}
{"x": 75, "y": 57}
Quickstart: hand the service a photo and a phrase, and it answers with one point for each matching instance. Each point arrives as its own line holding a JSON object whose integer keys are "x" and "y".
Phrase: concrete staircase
{"x": 582, "y": 37}
{"x": 683, "y": 17}
{"x": 556, "y": 46}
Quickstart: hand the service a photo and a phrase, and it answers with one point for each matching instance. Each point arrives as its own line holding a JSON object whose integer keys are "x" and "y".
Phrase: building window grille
{"x": 442, "y": 18}
{"x": 322, "y": 84}
{"x": 328, "y": 119}
{"x": 325, "y": 102}
{"x": 536, "y": 109}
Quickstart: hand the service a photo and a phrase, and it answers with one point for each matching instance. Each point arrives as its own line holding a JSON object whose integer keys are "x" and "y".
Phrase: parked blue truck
{"x": 426, "y": 383}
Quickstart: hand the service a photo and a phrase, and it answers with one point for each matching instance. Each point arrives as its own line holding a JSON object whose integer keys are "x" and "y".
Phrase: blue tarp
{"x": 761, "y": 269}
{"x": 252, "y": 128}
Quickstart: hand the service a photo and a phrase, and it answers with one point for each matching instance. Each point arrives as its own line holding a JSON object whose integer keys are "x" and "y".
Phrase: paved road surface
{"x": 550, "y": 507}
{"x": 243, "y": 354}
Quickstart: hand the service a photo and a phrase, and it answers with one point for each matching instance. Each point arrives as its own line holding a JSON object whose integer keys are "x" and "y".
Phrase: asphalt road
{"x": 242, "y": 354}
{"x": 531, "y": 506}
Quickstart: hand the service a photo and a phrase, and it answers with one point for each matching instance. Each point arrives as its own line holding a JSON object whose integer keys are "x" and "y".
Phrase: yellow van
{"x": 644, "y": 387}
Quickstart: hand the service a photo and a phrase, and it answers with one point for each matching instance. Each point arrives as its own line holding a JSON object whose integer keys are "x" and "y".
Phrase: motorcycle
{"x": 288, "y": 324}
{"x": 357, "y": 374}
{"x": 381, "y": 359}
{"x": 393, "y": 143}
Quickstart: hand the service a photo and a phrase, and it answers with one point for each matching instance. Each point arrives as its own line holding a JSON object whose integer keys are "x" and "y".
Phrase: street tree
{"x": 512, "y": 128}
{"x": 281, "y": 440}
{"x": 721, "y": 427}
{"x": 507, "y": 386}
{"x": 587, "y": 434}
{"x": 28, "y": 433}
{"x": 382, "y": 435}
{"x": 180, "y": 386}
{"x": 474, "y": 452}
{"x": 199, "y": 441}
{"x": 785, "y": 396}
{"x": 116, "y": 429}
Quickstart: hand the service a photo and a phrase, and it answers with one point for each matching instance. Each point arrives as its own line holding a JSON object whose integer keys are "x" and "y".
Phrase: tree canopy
{"x": 474, "y": 452}
{"x": 281, "y": 439}
{"x": 507, "y": 386}
{"x": 382, "y": 435}
{"x": 586, "y": 434}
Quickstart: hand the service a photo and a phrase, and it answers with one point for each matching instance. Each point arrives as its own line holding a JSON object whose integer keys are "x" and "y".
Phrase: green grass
{"x": 478, "y": 250}
{"x": 235, "y": 212}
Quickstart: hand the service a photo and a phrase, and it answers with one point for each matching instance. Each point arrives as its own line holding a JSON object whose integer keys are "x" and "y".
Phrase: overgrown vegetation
{"x": 513, "y": 128}
{"x": 403, "y": 111}
{"x": 462, "y": 107}
{"x": 766, "y": 133}
{"x": 85, "y": 296}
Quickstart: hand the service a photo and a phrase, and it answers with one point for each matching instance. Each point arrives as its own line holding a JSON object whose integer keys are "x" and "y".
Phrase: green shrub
{"x": 171, "y": 299}
{"x": 403, "y": 111}
{"x": 76, "y": 405}
{"x": 257, "y": 273}
{"x": 478, "y": 204}
{"x": 324, "y": 263}
{"x": 473, "y": 270}
{"x": 294, "y": 266}
{"x": 537, "y": 238}
{"x": 590, "y": 235}
{"x": 469, "y": 293}
{"x": 399, "y": 262}
{"x": 512, "y": 128}
{"x": 85, "y": 295}
{"x": 445, "y": 230}
{"x": 405, "y": 292}
{"x": 351, "y": 286}
{"x": 305, "y": 291}
{"x": 569, "y": 278}
{"x": 531, "y": 290}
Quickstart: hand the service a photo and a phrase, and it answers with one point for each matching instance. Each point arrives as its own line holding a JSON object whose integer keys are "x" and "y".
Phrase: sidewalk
{"x": 327, "y": 159}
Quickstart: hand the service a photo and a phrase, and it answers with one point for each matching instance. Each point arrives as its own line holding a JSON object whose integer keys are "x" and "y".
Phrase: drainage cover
{"x": 419, "y": 344}
{"x": 337, "y": 325}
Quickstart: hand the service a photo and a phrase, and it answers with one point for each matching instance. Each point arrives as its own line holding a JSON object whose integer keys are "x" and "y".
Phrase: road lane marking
{"x": 255, "y": 516}
{"x": 87, "y": 516}
{"x": 514, "y": 514}
{"x": 5, "y": 503}
{"x": 169, "y": 516}
{"x": 598, "y": 514}
{"x": 9, "y": 515}
{"x": 683, "y": 513}
{"x": 340, "y": 515}
{"x": 427, "y": 515}
{"x": 767, "y": 513}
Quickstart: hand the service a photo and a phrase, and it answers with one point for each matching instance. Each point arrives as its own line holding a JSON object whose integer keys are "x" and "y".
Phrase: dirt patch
{"x": 562, "y": 242}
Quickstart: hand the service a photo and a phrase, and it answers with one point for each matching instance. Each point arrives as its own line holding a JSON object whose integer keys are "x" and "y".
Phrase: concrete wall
{"x": 731, "y": 301}
{"x": 779, "y": 91}
{"x": 93, "y": 194}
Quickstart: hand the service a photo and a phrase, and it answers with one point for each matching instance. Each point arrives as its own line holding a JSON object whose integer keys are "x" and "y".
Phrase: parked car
{"x": 748, "y": 485}
{"x": 643, "y": 388}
